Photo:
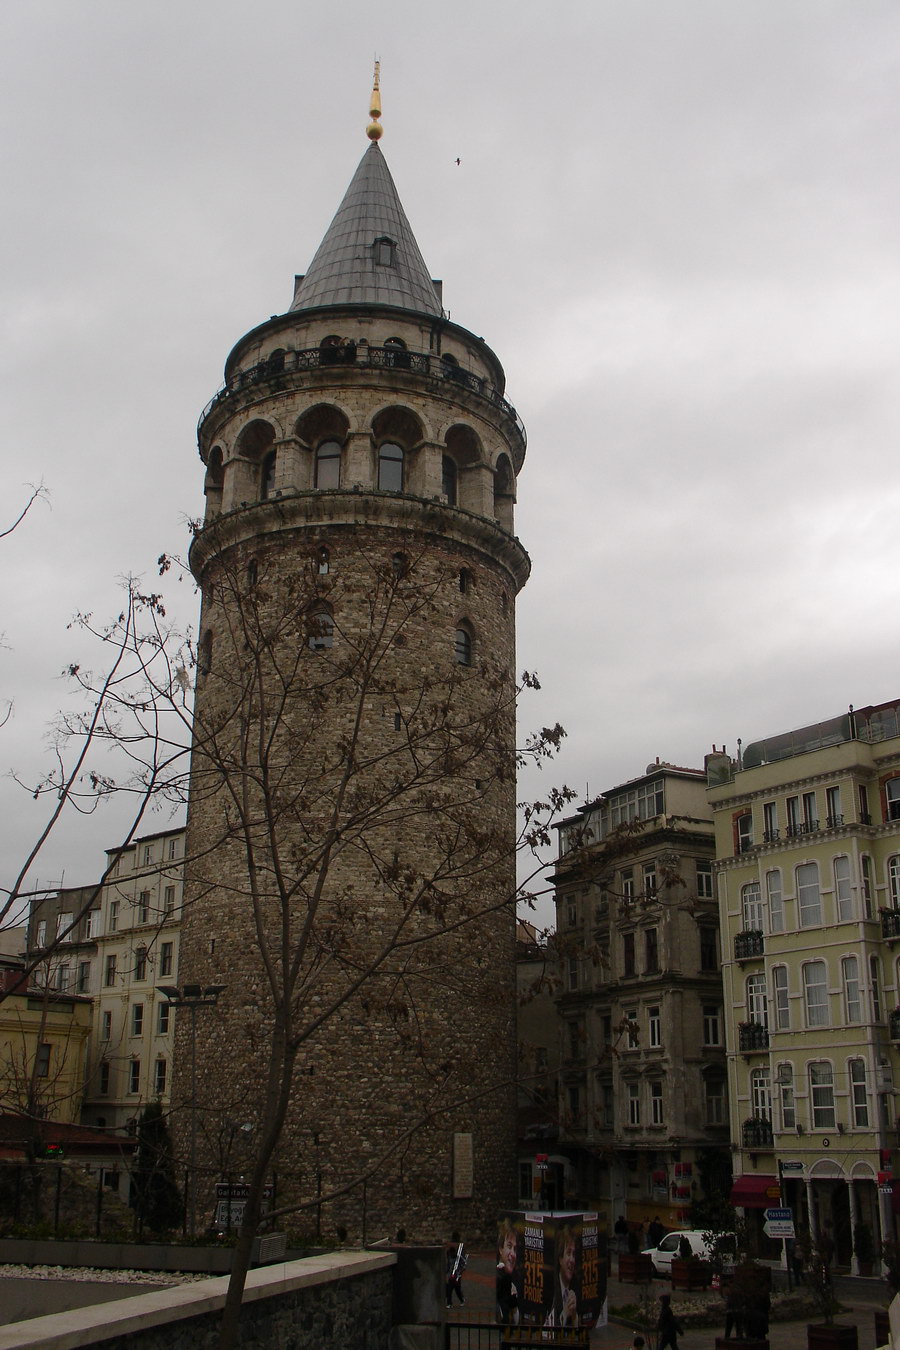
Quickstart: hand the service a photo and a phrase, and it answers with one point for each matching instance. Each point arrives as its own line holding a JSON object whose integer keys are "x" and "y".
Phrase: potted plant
{"x": 635, "y": 1267}
{"x": 688, "y": 1270}
{"x": 864, "y": 1248}
{"x": 827, "y": 1335}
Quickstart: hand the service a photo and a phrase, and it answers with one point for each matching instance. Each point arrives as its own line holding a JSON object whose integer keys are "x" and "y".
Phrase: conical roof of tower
{"x": 349, "y": 269}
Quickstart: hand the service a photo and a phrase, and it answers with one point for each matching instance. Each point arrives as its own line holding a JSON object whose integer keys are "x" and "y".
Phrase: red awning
{"x": 755, "y": 1192}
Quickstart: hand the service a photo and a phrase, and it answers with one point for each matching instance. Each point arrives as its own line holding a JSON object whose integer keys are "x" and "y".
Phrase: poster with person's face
{"x": 557, "y": 1263}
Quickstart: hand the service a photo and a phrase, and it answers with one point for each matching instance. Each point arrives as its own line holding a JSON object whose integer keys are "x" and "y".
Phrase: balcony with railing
{"x": 800, "y": 827}
{"x": 757, "y": 1133}
{"x": 890, "y": 924}
{"x": 833, "y": 822}
{"x": 749, "y": 944}
{"x": 752, "y": 1036}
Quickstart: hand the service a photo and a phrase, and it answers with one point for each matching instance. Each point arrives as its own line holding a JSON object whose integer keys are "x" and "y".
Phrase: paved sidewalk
{"x": 860, "y": 1297}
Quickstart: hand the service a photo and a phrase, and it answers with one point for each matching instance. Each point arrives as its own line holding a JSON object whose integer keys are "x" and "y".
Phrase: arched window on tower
{"x": 504, "y": 494}
{"x": 323, "y": 565}
{"x": 319, "y": 627}
{"x": 462, "y": 646}
{"x": 267, "y": 476}
{"x": 328, "y": 465}
{"x": 448, "y": 479}
{"x": 395, "y": 353}
{"x": 383, "y": 250}
{"x": 390, "y": 467}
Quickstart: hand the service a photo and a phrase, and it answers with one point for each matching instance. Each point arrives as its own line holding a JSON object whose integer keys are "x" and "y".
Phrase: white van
{"x": 662, "y": 1255}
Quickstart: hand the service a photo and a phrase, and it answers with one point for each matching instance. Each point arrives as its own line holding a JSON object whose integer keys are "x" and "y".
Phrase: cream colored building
{"x": 136, "y": 930}
{"x": 808, "y": 845}
{"x": 643, "y": 1117}
{"x": 43, "y": 1045}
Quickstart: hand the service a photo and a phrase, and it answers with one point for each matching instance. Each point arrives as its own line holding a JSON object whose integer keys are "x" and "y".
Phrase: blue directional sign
{"x": 779, "y": 1215}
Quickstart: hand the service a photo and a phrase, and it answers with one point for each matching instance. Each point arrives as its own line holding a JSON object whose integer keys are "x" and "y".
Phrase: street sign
{"x": 794, "y": 1166}
{"x": 784, "y": 1215}
{"x": 779, "y": 1223}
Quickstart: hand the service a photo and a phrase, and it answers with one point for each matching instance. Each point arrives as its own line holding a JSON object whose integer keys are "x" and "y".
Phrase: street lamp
{"x": 192, "y": 997}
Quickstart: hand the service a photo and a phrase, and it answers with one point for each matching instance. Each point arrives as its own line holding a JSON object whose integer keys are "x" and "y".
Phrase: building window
{"x": 815, "y": 993}
{"x": 775, "y": 901}
{"x": 757, "y": 1001}
{"x": 84, "y": 976}
{"x": 715, "y": 1101}
{"x": 875, "y": 986}
{"x": 64, "y": 927}
{"x": 894, "y": 881}
{"x": 770, "y": 822}
{"x": 810, "y": 815}
{"x": 575, "y": 1039}
{"x": 137, "y": 1019}
{"x": 448, "y": 479}
{"x": 41, "y": 935}
{"x": 651, "y": 951}
{"x": 780, "y": 993}
{"x": 162, "y": 1019}
{"x": 109, "y": 976}
{"x": 134, "y": 1076}
{"x": 42, "y": 1064}
{"x": 148, "y": 854}
{"x": 465, "y": 581}
{"x": 858, "y": 1096}
{"x": 572, "y": 970}
{"x": 833, "y": 816}
{"x": 462, "y": 646}
{"x": 865, "y": 866}
{"x": 654, "y": 1028}
{"x": 168, "y": 901}
{"x": 159, "y": 1077}
{"x": 709, "y": 953}
{"x": 113, "y": 916}
{"x": 862, "y": 793}
{"x": 705, "y": 881}
{"x": 634, "y": 1104}
{"x": 649, "y": 876}
{"x": 143, "y": 907}
{"x": 320, "y": 627}
{"x": 173, "y": 849}
{"x": 328, "y": 467}
{"x": 808, "y": 897}
{"x": 761, "y": 1094}
{"x": 892, "y": 798}
{"x": 383, "y": 249}
{"x": 743, "y": 828}
{"x": 632, "y": 1030}
{"x": 852, "y": 996}
{"x": 267, "y": 475}
{"x": 628, "y": 965}
{"x": 821, "y": 1092}
{"x": 62, "y": 977}
{"x": 574, "y": 1096}
{"x": 843, "y": 895}
{"x": 751, "y": 908}
{"x": 165, "y": 958}
{"x": 390, "y": 467}
{"x": 628, "y": 885}
{"x": 103, "y": 1086}
{"x": 106, "y": 1026}
{"x": 712, "y": 1031}
{"x": 657, "y": 1116}
{"x": 641, "y": 803}
{"x": 140, "y": 963}
{"x": 786, "y": 1096}
{"x": 792, "y": 808}
{"x": 571, "y": 911}
{"x": 92, "y": 923}
{"x": 608, "y": 1105}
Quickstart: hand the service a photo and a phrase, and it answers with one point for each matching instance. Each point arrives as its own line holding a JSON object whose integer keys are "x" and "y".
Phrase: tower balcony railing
{"x": 749, "y": 944}
{"x": 752, "y": 1036}
{"x": 890, "y": 923}
{"x": 360, "y": 356}
{"x": 757, "y": 1133}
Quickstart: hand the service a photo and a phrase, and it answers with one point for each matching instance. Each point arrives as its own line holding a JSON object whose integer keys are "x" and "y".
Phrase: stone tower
{"x": 350, "y": 852}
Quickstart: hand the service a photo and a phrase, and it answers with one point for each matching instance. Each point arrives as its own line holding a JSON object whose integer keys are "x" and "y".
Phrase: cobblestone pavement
{"x": 860, "y": 1298}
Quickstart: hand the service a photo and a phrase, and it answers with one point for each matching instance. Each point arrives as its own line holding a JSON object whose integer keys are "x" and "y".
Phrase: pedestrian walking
{"x": 456, "y": 1264}
{"x": 668, "y": 1327}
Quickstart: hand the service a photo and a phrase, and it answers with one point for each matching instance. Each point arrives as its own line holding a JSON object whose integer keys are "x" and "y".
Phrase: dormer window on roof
{"x": 384, "y": 249}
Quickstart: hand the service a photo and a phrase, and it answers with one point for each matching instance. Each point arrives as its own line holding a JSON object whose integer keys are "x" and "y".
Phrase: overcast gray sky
{"x": 675, "y": 221}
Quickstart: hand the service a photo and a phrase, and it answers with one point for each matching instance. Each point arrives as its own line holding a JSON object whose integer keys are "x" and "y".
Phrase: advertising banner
{"x": 551, "y": 1269}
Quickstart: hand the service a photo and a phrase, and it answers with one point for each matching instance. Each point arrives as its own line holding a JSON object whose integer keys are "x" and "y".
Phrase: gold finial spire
{"x": 375, "y": 130}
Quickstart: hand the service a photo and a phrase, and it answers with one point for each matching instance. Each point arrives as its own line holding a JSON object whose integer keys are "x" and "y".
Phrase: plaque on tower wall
{"x": 463, "y": 1167}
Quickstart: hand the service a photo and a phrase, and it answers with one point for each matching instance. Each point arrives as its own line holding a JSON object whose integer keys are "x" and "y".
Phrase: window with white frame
{"x": 648, "y": 874}
{"x": 810, "y": 814}
{"x": 143, "y": 907}
{"x": 833, "y": 807}
{"x": 761, "y": 1094}
{"x": 168, "y": 901}
{"x": 785, "y": 1080}
{"x": 165, "y": 958}
{"x": 632, "y": 1030}
{"x": 705, "y": 889}
{"x": 657, "y": 1113}
{"x": 892, "y": 798}
{"x": 162, "y": 1019}
{"x": 743, "y": 827}
{"x": 792, "y": 809}
{"x": 634, "y": 1104}
{"x": 106, "y": 1026}
{"x": 572, "y": 971}
{"x": 40, "y": 937}
{"x": 159, "y": 1077}
{"x": 865, "y": 868}
{"x": 809, "y": 900}
{"x": 641, "y": 803}
{"x": 770, "y": 822}
{"x": 64, "y": 927}
{"x": 134, "y": 1075}
{"x": 712, "y": 1025}
{"x": 852, "y": 994}
{"x": 148, "y": 854}
{"x": 654, "y": 1028}
{"x": 893, "y": 872}
{"x": 751, "y": 907}
{"x": 875, "y": 988}
{"x": 757, "y": 1002}
{"x": 62, "y": 976}
{"x": 775, "y": 898}
{"x": 815, "y": 993}
{"x": 859, "y": 1099}
{"x": 627, "y": 880}
{"x": 92, "y": 923}
{"x": 715, "y": 1101}
{"x": 843, "y": 894}
{"x": 781, "y": 998}
{"x": 173, "y": 843}
{"x": 113, "y": 916}
{"x": 821, "y": 1096}
{"x": 137, "y": 1019}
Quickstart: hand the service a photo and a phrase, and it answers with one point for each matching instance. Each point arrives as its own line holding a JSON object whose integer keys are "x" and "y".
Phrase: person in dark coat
{"x": 655, "y": 1233}
{"x": 667, "y": 1326}
{"x": 456, "y": 1264}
